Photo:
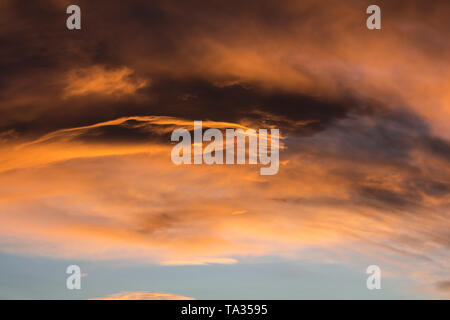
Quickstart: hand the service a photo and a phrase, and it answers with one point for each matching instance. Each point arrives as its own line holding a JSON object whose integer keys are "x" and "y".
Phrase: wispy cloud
{"x": 141, "y": 295}
{"x": 98, "y": 80}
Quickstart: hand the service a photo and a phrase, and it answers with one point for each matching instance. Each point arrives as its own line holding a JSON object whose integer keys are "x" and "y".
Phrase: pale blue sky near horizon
{"x": 25, "y": 277}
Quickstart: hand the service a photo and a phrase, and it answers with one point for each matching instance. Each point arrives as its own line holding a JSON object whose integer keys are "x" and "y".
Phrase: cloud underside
{"x": 142, "y": 295}
{"x": 85, "y": 167}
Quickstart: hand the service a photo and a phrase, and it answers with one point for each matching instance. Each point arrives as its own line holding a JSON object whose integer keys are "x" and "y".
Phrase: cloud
{"x": 140, "y": 295}
{"x": 116, "y": 205}
{"x": 200, "y": 261}
{"x": 443, "y": 285}
{"x": 216, "y": 56}
{"x": 85, "y": 166}
{"x": 98, "y": 80}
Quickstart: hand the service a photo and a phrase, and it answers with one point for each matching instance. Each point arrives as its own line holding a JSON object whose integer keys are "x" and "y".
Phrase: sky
{"x": 86, "y": 175}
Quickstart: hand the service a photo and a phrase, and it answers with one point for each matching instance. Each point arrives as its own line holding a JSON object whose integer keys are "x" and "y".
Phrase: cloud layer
{"x": 85, "y": 166}
{"x": 139, "y": 295}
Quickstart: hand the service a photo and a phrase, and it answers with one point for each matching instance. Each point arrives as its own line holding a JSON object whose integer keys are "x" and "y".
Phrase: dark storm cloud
{"x": 196, "y": 100}
{"x": 37, "y": 51}
{"x": 154, "y": 39}
{"x": 199, "y": 99}
{"x": 122, "y": 134}
{"x": 371, "y": 147}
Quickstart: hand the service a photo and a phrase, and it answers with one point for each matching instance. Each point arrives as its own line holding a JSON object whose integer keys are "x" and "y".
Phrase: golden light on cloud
{"x": 99, "y": 80}
{"x": 141, "y": 295}
{"x": 116, "y": 205}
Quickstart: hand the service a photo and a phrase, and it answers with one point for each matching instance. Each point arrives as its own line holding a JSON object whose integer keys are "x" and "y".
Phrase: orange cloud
{"x": 140, "y": 295}
{"x": 375, "y": 186}
{"x": 65, "y": 198}
{"x": 99, "y": 80}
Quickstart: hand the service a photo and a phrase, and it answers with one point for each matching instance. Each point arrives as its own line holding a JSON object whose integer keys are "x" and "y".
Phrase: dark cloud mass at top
{"x": 167, "y": 44}
{"x": 37, "y": 53}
